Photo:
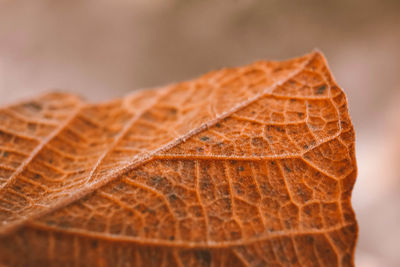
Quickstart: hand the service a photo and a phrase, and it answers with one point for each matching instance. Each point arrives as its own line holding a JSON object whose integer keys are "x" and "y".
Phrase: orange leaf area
{"x": 248, "y": 166}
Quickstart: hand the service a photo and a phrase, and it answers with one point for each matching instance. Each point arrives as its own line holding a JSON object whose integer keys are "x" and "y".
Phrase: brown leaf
{"x": 246, "y": 166}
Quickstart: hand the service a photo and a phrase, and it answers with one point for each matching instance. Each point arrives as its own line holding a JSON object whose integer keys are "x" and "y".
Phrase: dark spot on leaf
{"x": 241, "y": 168}
{"x": 33, "y": 106}
{"x": 235, "y": 235}
{"x": 238, "y": 189}
{"x": 173, "y": 197}
{"x": 307, "y": 211}
{"x": 264, "y": 186}
{"x": 310, "y": 239}
{"x": 257, "y": 141}
{"x": 204, "y": 256}
{"x": 142, "y": 208}
{"x": 64, "y": 224}
{"x": 172, "y": 237}
{"x": 5, "y": 154}
{"x": 346, "y": 260}
{"x": 197, "y": 212}
{"x": 148, "y": 115}
{"x": 118, "y": 187}
{"x": 31, "y": 126}
{"x": 321, "y": 90}
{"x": 156, "y": 180}
{"x": 353, "y": 229}
{"x": 172, "y": 111}
{"x": 204, "y": 138}
{"x": 301, "y": 194}
{"x": 94, "y": 244}
{"x": 218, "y": 125}
{"x": 287, "y": 168}
{"x": 204, "y": 185}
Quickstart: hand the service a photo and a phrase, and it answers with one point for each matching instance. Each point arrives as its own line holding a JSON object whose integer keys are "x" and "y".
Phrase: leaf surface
{"x": 246, "y": 166}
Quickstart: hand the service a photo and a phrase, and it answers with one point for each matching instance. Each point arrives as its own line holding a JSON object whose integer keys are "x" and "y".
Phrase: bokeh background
{"x": 103, "y": 49}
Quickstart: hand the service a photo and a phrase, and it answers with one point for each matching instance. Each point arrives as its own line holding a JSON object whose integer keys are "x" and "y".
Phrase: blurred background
{"x": 104, "y": 49}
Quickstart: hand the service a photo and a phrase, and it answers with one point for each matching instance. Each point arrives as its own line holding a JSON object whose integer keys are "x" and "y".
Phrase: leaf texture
{"x": 249, "y": 166}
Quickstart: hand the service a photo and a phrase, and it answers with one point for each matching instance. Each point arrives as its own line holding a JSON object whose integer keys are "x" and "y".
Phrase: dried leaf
{"x": 246, "y": 166}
